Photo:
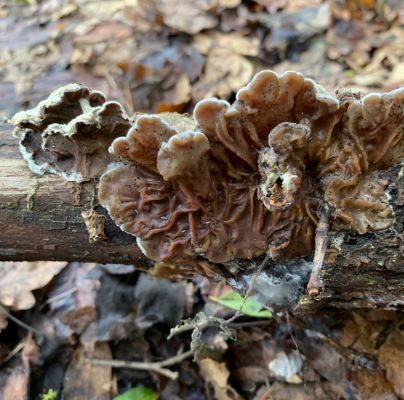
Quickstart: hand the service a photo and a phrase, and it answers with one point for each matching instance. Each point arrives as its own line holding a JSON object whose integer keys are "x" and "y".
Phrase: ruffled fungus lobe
{"x": 249, "y": 176}
{"x": 69, "y": 133}
{"x": 366, "y": 136}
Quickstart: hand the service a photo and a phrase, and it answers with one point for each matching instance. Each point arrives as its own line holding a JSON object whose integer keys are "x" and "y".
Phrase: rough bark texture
{"x": 40, "y": 216}
{"x": 40, "y": 219}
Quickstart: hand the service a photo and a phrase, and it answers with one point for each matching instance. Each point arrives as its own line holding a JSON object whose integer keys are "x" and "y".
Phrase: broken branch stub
{"x": 245, "y": 178}
{"x": 69, "y": 133}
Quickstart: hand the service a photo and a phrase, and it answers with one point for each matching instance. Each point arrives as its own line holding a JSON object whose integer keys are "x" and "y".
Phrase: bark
{"x": 40, "y": 219}
{"x": 40, "y": 216}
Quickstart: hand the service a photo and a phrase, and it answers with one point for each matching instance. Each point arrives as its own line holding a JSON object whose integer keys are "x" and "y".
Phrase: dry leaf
{"x": 103, "y": 10}
{"x": 17, "y": 383}
{"x": 235, "y": 41}
{"x": 217, "y": 375}
{"x": 225, "y": 72}
{"x": 18, "y": 279}
{"x": 72, "y": 300}
{"x": 228, "y": 3}
{"x": 86, "y": 381}
{"x": 187, "y": 16}
{"x": 391, "y": 358}
{"x": 371, "y": 385}
{"x": 105, "y": 31}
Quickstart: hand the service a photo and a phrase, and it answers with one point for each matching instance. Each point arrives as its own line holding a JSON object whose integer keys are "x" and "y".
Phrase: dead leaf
{"x": 186, "y": 16}
{"x": 119, "y": 269}
{"x": 105, "y": 31}
{"x": 86, "y": 381}
{"x": 397, "y": 75}
{"x": 16, "y": 386}
{"x": 116, "y": 309}
{"x": 19, "y": 279}
{"x": 228, "y": 3}
{"x": 238, "y": 42}
{"x": 287, "y": 366}
{"x": 225, "y": 72}
{"x": 72, "y": 301}
{"x": 175, "y": 98}
{"x": 391, "y": 358}
{"x": 371, "y": 386}
{"x": 167, "y": 308}
{"x": 217, "y": 375}
{"x": 360, "y": 333}
{"x": 103, "y": 10}
{"x": 283, "y": 391}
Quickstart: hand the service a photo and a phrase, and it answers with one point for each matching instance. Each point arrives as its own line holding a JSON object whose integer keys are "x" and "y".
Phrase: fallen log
{"x": 41, "y": 219}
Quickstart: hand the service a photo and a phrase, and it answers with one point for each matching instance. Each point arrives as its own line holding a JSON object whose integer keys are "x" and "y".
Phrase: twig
{"x": 158, "y": 367}
{"x": 315, "y": 284}
{"x": 249, "y": 324}
{"x": 23, "y": 325}
{"x": 15, "y": 351}
{"x": 201, "y": 321}
{"x": 250, "y": 288}
{"x": 197, "y": 325}
{"x": 58, "y": 297}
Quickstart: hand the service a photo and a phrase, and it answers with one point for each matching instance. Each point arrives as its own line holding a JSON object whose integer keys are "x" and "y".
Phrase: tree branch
{"x": 41, "y": 219}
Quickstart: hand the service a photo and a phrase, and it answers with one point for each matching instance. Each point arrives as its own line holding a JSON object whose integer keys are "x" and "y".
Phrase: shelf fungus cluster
{"x": 69, "y": 133}
{"x": 239, "y": 180}
{"x": 235, "y": 181}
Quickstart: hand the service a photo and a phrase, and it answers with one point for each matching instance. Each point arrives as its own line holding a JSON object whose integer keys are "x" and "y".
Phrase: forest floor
{"x": 56, "y": 319}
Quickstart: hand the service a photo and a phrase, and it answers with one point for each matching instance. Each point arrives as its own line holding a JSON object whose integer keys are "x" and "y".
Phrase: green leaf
{"x": 137, "y": 393}
{"x": 49, "y": 395}
{"x": 233, "y": 300}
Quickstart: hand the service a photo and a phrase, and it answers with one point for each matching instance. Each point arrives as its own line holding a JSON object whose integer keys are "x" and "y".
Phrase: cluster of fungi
{"x": 235, "y": 181}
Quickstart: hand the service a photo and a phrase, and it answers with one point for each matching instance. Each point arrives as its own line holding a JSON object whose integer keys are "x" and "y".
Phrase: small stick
{"x": 20, "y": 323}
{"x": 250, "y": 288}
{"x": 158, "y": 366}
{"x": 315, "y": 284}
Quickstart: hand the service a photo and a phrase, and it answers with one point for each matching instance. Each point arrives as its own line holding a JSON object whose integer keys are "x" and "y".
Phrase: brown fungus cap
{"x": 69, "y": 133}
{"x": 249, "y": 176}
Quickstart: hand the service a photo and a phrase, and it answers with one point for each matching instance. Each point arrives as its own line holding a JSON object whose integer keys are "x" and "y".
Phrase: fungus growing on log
{"x": 270, "y": 173}
{"x": 69, "y": 133}
{"x": 250, "y": 176}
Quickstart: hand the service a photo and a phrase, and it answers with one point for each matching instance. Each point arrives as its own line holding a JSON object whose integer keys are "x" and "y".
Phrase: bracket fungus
{"x": 69, "y": 132}
{"x": 247, "y": 178}
{"x": 270, "y": 173}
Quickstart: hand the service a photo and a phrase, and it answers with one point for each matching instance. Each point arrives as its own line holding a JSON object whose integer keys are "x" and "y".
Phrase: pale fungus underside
{"x": 234, "y": 181}
{"x": 69, "y": 133}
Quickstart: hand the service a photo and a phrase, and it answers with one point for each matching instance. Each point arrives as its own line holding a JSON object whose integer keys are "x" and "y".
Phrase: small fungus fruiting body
{"x": 69, "y": 133}
{"x": 238, "y": 180}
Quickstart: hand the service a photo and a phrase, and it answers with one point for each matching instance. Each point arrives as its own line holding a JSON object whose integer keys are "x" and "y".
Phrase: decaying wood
{"x": 40, "y": 216}
{"x": 41, "y": 219}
